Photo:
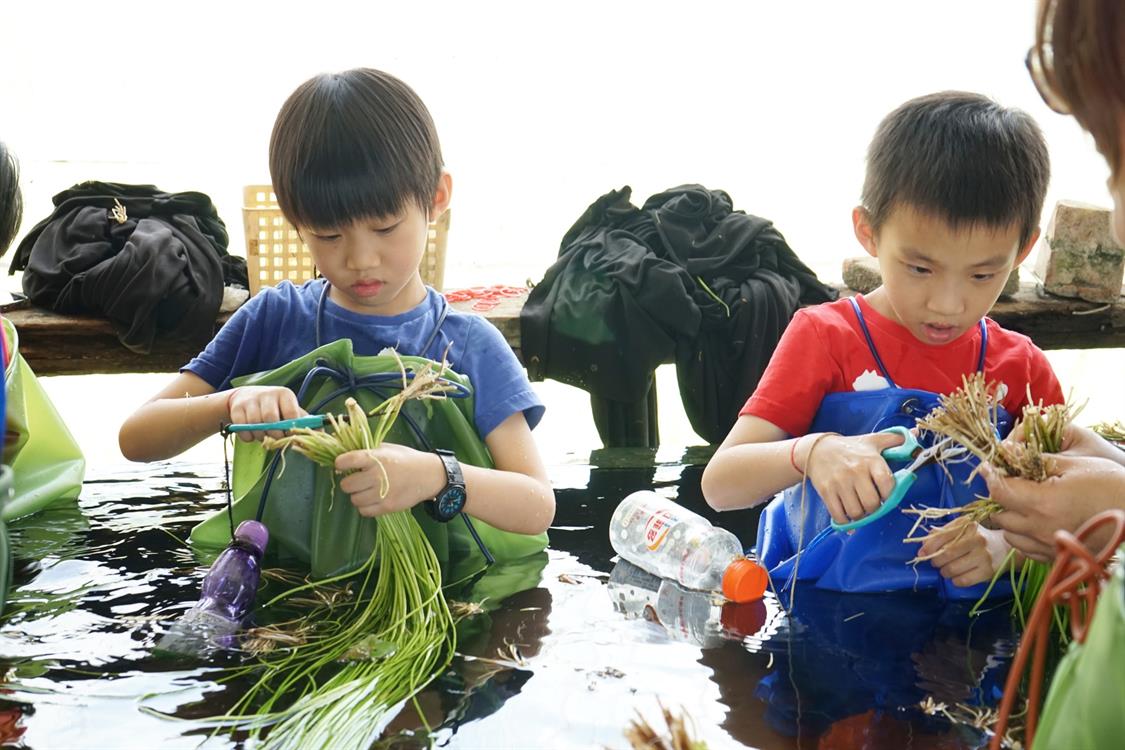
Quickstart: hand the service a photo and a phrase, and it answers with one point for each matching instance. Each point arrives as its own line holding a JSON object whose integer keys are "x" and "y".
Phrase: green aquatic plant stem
{"x": 360, "y": 659}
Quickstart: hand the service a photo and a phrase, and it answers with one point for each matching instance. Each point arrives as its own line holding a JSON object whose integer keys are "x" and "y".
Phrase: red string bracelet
{"x": 792, "y": 455}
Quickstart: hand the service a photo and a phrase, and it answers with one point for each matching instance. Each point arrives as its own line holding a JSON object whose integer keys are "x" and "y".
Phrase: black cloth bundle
{"x": 153, "y": 263}
{"x": 684, "y": 278}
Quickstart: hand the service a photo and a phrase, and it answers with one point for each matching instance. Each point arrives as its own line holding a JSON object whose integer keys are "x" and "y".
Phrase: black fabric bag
{"x": 153, "y": 263}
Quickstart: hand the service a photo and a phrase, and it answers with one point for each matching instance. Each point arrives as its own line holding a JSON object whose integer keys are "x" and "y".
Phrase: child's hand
{"x": 970, "y": 557}
{"x": 251, "y": 404}
{"x": 851, "y": 476}
{"x": 411, "y": 477}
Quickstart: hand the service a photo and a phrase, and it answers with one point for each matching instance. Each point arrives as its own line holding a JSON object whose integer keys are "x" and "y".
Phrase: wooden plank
{"x": 56, "y": 344}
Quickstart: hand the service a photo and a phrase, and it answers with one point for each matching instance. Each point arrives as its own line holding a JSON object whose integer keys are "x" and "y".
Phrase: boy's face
{"x": 938, "y": 282}
{"x": 373, "y": 263}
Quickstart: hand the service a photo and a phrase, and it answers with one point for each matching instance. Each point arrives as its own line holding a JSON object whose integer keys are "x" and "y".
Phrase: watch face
{"x": 451, "y": 502}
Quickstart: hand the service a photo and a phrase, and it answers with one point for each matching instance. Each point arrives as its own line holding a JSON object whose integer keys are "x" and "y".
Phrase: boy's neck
{"x": 877, "y": 301}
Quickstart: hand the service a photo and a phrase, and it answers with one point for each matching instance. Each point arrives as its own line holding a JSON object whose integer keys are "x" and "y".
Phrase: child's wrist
{"x": 800, "y": 459}
{"x": 230, "y": 398}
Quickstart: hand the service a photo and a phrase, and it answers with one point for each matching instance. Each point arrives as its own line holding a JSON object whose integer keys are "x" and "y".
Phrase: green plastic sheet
{"x": 309, "y": 519}
{"x": 1085, "y": 706}
{"x": 46, "y": 462}
{"x": 5, "y": 544}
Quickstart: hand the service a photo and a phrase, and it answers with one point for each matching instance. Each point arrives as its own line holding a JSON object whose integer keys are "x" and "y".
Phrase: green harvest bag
{"x": 311, "y": 520}
{"x": 46, "y": 462}
{"x": 5, "y": 545}
{"x": 1085, "y": 706}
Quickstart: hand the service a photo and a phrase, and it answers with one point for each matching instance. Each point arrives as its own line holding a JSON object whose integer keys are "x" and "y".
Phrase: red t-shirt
{"x": 823, "y": 351}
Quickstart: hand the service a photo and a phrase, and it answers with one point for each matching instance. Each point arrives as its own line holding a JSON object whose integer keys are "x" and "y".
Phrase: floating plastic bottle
{"x": 697, "y": 617}
{"x": 670, "y": 541}
{"x": 228, "y": 593}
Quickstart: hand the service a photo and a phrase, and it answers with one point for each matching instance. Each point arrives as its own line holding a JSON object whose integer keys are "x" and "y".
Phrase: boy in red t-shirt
{"x": 951, "y": 203}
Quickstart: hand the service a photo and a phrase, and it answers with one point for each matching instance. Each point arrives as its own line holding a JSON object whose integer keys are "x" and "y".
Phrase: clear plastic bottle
{"x": 670, "y": 541}
{"x": 697, "y": 617}
{"x": 632, "y": 590}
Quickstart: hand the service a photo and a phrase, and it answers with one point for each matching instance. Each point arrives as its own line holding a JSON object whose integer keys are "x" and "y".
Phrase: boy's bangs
{"x": 978, "y": 193}
{"x": 331, "y": 199}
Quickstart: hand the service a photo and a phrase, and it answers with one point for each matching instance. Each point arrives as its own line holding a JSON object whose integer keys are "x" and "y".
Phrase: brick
{"x": 1078, "y": 256}
{"x": 862, "y": 273}
{"x": 1012, "y": 285}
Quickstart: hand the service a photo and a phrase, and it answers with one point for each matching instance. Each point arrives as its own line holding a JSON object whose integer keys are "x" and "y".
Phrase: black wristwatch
{"x": 451, "y": 500}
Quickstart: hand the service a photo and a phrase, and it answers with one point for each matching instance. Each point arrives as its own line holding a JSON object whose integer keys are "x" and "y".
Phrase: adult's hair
{"x": 353, "y": 145}
{"x": 11, "y": 200}
{"x": 959, "y": 157}
{"x": 1080, "y": 49}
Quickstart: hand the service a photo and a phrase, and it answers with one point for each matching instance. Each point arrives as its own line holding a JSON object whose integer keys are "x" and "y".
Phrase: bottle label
{"x": 657, "y": 528}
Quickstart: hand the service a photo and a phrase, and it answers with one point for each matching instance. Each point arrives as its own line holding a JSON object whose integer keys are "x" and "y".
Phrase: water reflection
{"x": 560, "y": 650}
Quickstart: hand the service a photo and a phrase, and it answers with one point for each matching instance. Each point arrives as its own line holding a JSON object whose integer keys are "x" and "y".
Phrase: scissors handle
{"x": 904, "y": 480}
{"x": 904, "y": 452}
{"x": 309, "y": 420}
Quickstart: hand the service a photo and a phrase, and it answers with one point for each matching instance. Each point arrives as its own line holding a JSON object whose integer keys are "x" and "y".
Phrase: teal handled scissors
{"x": 313, "y": 421}
{"x": 905, "y": 477}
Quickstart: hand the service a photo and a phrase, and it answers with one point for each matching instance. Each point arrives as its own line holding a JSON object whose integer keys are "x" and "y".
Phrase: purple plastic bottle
{"x": 229, "y": 589}
{"x": 231, "y": 584}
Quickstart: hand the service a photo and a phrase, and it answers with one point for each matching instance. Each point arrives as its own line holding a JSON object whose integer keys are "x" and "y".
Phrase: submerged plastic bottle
{"x": 228, "y": 593}
{"x": 696, "y": 617}
{"x": 670, "y": 541}
{"x": 231, "y": 584}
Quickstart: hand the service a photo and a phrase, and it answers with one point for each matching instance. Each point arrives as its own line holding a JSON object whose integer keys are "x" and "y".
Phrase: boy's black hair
{"x": 959, "y": 157}
{"x": 11, "y": 200}
{"x": 353, "y": 145}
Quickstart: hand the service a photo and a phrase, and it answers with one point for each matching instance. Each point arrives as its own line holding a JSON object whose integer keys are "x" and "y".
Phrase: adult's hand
{"x": 1081, "y": 441}
{"x": 1033, "y": 511}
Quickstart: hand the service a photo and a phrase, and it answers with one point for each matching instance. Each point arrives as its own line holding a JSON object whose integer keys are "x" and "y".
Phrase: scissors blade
{"x": 933, "y": 453}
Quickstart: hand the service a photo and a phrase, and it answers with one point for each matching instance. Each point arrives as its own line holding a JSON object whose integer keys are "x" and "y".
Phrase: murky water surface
{"x": 573, "y": 649}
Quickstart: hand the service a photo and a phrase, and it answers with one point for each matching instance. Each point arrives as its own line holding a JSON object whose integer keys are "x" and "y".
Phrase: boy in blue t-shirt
{"x": 357, "y": 168}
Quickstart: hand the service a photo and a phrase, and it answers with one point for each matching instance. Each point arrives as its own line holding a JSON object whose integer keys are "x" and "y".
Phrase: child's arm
{"x": 189, "y": 410}
{"x": 515, "y": 496}
{"x": 753, "y": 464}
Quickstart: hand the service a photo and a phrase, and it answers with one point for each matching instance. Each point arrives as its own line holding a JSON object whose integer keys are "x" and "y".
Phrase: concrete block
{"x": 862, "y": 274}
{"x": 1078, "y": 256}
{"x": 1012, "y": 285}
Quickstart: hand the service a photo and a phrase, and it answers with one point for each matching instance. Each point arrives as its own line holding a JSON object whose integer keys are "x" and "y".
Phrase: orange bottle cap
{"x": 744, "y": 580}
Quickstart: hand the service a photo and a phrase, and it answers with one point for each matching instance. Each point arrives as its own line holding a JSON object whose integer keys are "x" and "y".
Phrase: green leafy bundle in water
{"x": 341, "y": 671}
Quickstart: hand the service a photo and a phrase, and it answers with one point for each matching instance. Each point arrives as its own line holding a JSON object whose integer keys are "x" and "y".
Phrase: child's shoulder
{"x": 1003, "y": 339}
{"x": 476, "y": 330}
{"x": 828, "y": 317}
{"x": 284, "y": 299}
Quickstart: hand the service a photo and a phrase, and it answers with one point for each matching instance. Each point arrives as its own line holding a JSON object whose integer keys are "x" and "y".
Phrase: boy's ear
{"x": 1026, "y": 250}
{"x": 441, "y": 196}
{"x": 864, "y": 232}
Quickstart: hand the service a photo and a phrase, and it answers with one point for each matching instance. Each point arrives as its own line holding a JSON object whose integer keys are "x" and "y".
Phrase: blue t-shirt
{"x": 278, "y": 325}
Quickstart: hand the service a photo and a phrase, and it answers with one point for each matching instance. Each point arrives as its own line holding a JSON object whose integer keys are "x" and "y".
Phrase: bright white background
{"x": 540, "y": 109}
